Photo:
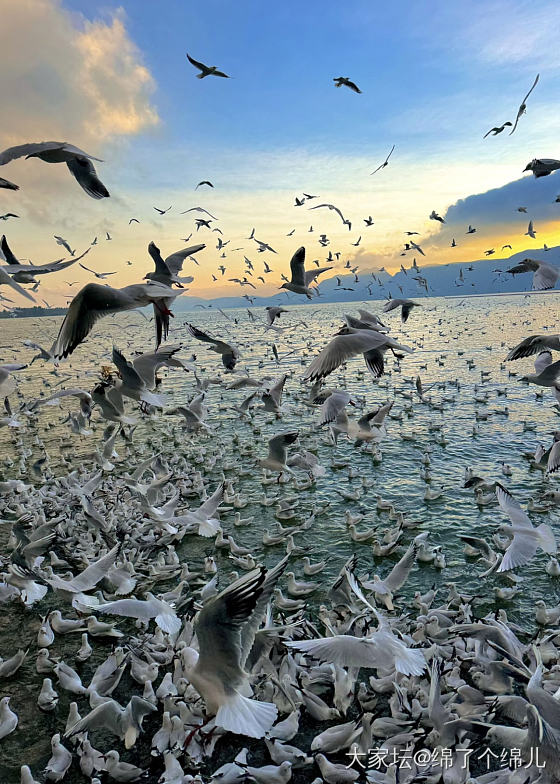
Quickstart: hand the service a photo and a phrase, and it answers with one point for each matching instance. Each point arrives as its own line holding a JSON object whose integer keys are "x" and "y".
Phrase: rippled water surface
{"x": 460, "y": 347}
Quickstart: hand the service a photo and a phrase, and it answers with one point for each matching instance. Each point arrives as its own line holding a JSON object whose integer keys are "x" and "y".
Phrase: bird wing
{"x": 392, "y": 304}
{"x": 6, "y": 280}
{"x": 277, "y": 445}
{"x": 200, "y": 66}
{"x": 531, "y": 345}
{"x": 219, "y": 625}
{"x": 297, "y": 267}
{"x": 550, "y": 372}
{"x": 90, "y": 304}
{"x": 545, "y": 277}
{"x": 344, "y": 650}
{"x": 147, "y": 364}
{"x": 209, "y": 508}
{"x": 106, "y": 715}
{"x": 84, "y": 173}
{"x": 374, "y": 361}
{"x": 523, "y": 102}
{"x": 333, "y": 406}
{"x": 512, "y": 509}
{"x": 95, "y": 572}
{"x": 250, "y": 629}
{"x": 400, "y": 571}
{"x": 341, "y": 348}
{"x": 175, "y": 260}
{"x": 162, "y": 268}
{"x": 310, "y": 275}
{"x": 200, "y": 335}
{"x": 6, "y": 250}
{"x": 543, "y": 360}
{"x": 11, "y": 153}
{"x": 128, "y": 373}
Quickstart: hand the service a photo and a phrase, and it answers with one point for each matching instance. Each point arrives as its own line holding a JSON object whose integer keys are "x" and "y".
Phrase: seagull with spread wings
{"x": 332, "y": 207}
{"x": 348, "y": 343}
{"x": 523, "y": 108}
{"x": 346, "y": 82}
{"x": 545, "y": 276}
{"x": 229, "y": 354}
{"x": 225, "y": 630}
{"x": 302, "y": 279}
{"x": 385, "y": 162}
{"x": 206, "y": 70}
{"x": 526, "y": 540}
{"x": 79, "y": 163}
{"x": 95, "y": 301}
{"x": 167, "y": 271}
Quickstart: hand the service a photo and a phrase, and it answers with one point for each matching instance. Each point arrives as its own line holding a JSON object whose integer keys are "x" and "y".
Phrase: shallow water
{"x": 444, "y": 333}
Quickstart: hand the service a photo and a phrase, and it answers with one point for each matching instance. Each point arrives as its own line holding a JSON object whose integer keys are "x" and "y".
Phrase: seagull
{"x": 167, "y": 271}
{"x": 434, "y": 216}
{"x": 347, "y": 344}
{"x": 497, "y": 130}
{"x": 79, "y": 163}
{"x": 199, "y": 209}
{"x": 100, "y": 275}
{"x": 526, "y": 539}
{"x": 95, "y": 301}
{"x": 332, "y": 207}
{"x": 545, "y": 275}
{"x": 206, "y": 70}
{"x": 150, "y": 607}
{"x": 382, "y": 166}
{"x": 65, "y": 245}
{"x": 229, "y": 354}
{"x": 26, "y": 273}
{"x": 225, "y": 630}
{"x": 530, "y": 231}
{"x": 204, "y": 182}
{"x": 6, "y": 280}
{"x": 345, "y": 80}
{"x": 162, "y": 212}
{"x": 523, "y": 108}
{"x": 542, "y": 167}
{"x": 301, "y": 279}
{"x": 406, "y": 306}
{"x": 278, "y": 452}
{"x": 534, "y": 344}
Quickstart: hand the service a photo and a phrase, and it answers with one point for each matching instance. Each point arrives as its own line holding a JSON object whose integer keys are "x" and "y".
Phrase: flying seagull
{"x": 545, "y": 275}
{"x": 301, "y": 279}
{"x": 405, "y": 305}
{"x": 78, "y": 162}
{"x": 204, "y": 182}
{"x": 229, "y": 354}
{"x": 385, "y": 162}
{"x": 95, "y": 301}
{"x": 167, "y": 271}
{"x": 523, "y": 108}
{"x": 345, "y": 80}
{"x": 498, "y": 129}
{"x": 205, "y": 70}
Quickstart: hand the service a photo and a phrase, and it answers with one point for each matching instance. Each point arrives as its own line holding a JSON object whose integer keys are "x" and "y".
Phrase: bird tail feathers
{"x": 546, "y": 539}
{"x": 245, "y": 716}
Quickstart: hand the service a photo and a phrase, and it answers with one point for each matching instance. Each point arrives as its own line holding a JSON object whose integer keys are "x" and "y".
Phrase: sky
{"x": 113, "y": 79}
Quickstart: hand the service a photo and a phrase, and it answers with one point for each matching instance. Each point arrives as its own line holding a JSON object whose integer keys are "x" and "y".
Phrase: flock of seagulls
{"x": 122, "y": 560}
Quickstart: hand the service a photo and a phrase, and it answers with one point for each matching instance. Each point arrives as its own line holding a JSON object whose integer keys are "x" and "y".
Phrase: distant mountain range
{"x": 485, "y": 276}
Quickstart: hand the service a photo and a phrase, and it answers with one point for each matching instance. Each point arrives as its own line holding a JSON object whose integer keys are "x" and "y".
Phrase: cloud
{"x": 65, "y": 77}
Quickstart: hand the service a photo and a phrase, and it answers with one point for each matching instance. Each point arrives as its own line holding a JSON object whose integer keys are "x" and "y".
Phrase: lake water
{"x": 447, "y": 334}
